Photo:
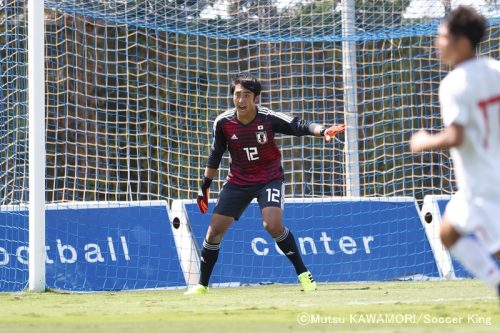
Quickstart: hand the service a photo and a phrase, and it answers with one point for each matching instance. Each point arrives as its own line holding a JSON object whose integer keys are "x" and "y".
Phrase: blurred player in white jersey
{"x": 470, "y": 106}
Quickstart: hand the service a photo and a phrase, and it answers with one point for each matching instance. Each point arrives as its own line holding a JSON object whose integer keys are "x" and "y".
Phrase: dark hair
{"x": 465, "y": 21}
{"x": 248, "y": 81}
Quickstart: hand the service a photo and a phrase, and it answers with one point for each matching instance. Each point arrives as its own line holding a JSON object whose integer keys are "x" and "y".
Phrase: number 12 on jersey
{"x": 252, "y": 153}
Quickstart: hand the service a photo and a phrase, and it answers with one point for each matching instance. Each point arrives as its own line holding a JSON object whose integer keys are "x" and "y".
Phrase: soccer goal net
{"x": 132, "y": 89}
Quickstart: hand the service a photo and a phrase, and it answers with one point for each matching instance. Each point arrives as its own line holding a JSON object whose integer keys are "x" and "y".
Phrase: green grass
{"x": 275, "y": 308}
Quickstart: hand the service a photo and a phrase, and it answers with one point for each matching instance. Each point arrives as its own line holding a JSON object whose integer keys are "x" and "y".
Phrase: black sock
{"x": 288, "y": 246}
{"x": 208, "y": 257}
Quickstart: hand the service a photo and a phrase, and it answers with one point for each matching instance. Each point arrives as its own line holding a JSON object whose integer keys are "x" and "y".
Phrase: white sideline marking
{"x": 437, "y": 300}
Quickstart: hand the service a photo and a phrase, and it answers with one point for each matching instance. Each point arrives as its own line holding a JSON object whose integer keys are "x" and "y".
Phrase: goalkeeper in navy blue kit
{"x": 247, "y": 131}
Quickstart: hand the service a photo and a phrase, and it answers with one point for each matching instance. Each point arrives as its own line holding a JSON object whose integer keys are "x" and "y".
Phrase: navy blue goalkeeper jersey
{"x": 254, "y": 156}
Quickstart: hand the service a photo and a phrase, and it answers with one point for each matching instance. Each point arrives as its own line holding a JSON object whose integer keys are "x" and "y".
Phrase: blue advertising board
{"x": 95, "y": 247}
{"x": 13, "y": 249}
{"x": 340, "y": 240}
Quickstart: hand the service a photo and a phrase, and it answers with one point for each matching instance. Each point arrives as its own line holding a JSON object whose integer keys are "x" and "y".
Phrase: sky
{"x": 416, "y": 9}
{"x": 434, "y": 8}
{"x": 220, "y": 7}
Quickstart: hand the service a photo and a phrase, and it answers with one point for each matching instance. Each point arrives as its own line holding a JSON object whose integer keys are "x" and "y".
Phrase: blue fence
{"x": 96, "y": 248}
{"x": 123, "y": 246}
{"x": 340, "y": 240}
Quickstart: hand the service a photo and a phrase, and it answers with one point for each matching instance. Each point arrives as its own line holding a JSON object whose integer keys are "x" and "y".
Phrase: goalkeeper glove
{"x": 330, "y": 132}
{"x": 203, "y": 195}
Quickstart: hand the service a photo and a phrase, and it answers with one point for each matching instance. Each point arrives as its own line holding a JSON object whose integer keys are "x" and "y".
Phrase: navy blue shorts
{"x": 234, "y": 199}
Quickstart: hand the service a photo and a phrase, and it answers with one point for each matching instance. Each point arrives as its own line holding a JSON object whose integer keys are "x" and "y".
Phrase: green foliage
{"x": 131, "y": 98}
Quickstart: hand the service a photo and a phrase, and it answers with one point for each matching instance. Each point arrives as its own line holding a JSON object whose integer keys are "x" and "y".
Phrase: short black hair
{"x": 248, "y": 81}
{"x": 465, "y": 21}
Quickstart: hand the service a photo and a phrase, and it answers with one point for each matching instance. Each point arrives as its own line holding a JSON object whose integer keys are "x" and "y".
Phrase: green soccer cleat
{"x": 307, "y": 282}
{"x": 197, "y": 290}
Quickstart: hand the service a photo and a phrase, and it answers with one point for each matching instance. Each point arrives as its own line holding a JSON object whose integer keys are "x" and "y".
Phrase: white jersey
{"x": 470, "y": 96}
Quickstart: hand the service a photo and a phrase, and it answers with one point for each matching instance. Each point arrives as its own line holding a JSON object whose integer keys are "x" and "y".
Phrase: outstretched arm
{"x": 327, "y": 132}
{"x": 286, "y": 124}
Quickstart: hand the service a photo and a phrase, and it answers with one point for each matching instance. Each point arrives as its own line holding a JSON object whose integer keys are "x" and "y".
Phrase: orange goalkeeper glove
{"x": 330, "y": 132}
{"x": 203, "y": 195}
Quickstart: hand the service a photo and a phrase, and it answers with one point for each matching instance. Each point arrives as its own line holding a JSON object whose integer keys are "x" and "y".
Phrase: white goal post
{"x": 36, "y": 124}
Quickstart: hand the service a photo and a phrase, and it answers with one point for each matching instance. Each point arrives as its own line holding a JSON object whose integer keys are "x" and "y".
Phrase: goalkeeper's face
{"x": 244, "y": 101}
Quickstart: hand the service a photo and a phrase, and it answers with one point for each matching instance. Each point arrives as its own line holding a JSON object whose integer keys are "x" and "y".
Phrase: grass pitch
{"x": 438, "y": 306}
